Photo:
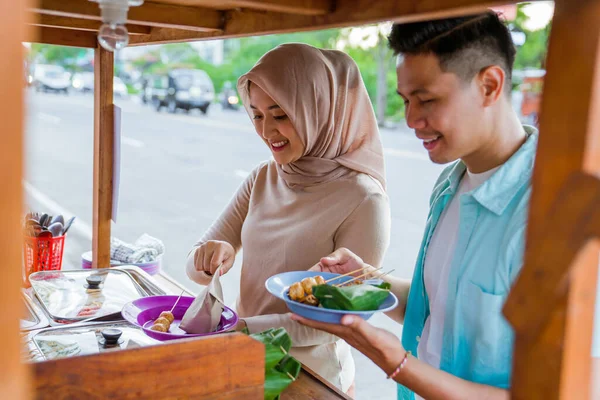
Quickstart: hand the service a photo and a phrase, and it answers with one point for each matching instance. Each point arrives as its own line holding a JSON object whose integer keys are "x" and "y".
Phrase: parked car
{"x": 51, "y": 78}
{"x": 181, "y": 89}
{"x": 119, "y": 88}
{"x": 228, "y": 97}
{"x": 84, "y": 82}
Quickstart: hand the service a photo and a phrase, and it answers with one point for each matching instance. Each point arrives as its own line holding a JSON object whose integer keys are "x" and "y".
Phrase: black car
{"x": 181, "y": 88}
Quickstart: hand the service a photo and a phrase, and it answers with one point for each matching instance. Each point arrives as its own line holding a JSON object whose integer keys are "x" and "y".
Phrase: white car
{"x": 51, "y": 78}
{"x": 84, "y": 82}
{"x": 119, "y": 88}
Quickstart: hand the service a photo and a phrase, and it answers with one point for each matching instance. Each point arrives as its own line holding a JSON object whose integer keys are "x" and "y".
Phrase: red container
{"x": 42, "y": 254}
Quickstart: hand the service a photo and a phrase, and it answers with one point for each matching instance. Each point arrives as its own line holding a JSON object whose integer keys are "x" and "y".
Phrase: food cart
{"x": 550, "y": 307}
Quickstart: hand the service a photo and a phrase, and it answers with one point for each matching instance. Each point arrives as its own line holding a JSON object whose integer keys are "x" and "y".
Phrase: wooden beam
{"x": 150, "y": 14}
{"x": 301, "y": 7}
{"x": 14, "y": 378}
{"x": 55, "y": 21}
{"x": 351, "y": 13}
{"x": 165, "y": 35}
{"x": 228, "y": 366}
{"x": 64, "y": 37}
{"x": 554, "y": 363}
{"x": 103, "y": 156}
{"x": 243, "y": 22}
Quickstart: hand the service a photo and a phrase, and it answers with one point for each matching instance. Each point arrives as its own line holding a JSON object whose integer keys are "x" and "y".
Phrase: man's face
{"x": 446, "y": 113}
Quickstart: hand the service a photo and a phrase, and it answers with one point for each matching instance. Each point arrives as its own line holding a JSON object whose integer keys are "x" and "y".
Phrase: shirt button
{"x": 418, "y": 338}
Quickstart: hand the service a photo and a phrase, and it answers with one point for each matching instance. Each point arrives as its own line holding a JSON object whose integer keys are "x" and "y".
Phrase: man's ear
{"x": 491, "y": 84}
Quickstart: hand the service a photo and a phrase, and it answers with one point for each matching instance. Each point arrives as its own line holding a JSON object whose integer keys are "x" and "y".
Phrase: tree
{"x": 369, "y": 48}
{"x": 532, "y": 53}
{"x": 62, "y": 55}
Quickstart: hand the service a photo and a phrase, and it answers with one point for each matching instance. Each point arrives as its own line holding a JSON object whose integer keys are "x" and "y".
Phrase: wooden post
{"x": 554, "y": 362}
{"x": 103, "y": 155}
{"x": 13, "y": 374}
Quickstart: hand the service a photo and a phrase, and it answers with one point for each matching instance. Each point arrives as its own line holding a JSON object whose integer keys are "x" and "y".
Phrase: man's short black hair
{"x": 463, "y": 45}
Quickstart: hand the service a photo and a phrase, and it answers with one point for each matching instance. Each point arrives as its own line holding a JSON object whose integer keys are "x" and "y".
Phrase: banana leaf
{"x": 280, "y": 368}
{"x": 280, "y": 377}
{"x": 352, "y": 298}
{"x": 277, "y": 345}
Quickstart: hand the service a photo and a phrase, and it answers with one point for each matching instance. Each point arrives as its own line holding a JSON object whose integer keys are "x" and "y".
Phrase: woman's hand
{"x": 213, "y": 253}
{"x": 340, "y": 261}
{"x": 381, "y": 346}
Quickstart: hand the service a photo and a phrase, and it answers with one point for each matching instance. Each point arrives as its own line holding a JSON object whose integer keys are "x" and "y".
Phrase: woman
{"x": 324, "y": 189}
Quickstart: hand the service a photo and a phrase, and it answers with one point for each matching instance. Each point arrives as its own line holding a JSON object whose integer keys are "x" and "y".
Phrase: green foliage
{"x": 62, "y": 55}
{"x": 533, "y": 53}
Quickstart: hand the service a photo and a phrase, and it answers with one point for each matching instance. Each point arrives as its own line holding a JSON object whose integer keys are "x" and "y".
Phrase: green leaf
{"x": 289, "y": 365}
{"x": 280, "y": 377}
{"x": 384, "y": 285}
{"x": 281, "y": 369}
{"x": 351, "y": 298}
{"x": 275, "y": 383}
{"x": 277, "y": 345}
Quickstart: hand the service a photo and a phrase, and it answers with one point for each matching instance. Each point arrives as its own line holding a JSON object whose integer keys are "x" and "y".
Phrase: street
{"x": 178, "y": 171}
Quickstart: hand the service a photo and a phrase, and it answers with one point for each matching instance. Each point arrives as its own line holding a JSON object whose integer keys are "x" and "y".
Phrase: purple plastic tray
{"x": 143, "y": 312}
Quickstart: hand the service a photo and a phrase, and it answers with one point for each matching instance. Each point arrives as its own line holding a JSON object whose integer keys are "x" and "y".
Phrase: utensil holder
{"x": 42, "y": 254}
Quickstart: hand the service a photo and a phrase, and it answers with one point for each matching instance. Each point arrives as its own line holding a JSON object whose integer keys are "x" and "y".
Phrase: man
{"x": 454, "y": 76}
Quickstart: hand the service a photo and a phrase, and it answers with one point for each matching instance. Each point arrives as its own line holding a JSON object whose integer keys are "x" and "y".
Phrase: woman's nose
{"x": 268, "y": 130}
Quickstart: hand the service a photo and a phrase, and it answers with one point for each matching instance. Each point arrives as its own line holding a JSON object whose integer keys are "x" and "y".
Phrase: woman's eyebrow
{"x": 270, "y": 107}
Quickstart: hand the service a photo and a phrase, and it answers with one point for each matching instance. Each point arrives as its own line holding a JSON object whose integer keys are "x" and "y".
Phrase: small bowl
{"x": 279, "y": 285}
{"x": 143, "y": 312}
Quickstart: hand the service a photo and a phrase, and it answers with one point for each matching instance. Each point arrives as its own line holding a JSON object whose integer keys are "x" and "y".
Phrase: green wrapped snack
{"x": 280, "y": 377}
{"x": 352, "y": 298}
{"x": 280, "y": 368}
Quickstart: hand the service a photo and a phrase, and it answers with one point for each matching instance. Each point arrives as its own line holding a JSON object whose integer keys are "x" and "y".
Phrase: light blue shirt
{"x": 477, "y": 339}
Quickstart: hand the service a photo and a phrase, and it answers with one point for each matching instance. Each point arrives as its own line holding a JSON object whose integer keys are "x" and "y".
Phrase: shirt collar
{"x": 497, "y": 192}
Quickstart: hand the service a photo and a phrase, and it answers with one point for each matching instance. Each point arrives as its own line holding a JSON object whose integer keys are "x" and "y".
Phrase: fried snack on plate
{"x": 311, "y": 300}
{"x": 308, "y": 283}
{"x": 297, "y": 292}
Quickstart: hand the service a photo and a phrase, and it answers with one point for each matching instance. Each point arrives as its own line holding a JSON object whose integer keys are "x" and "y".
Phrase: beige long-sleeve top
{"x": 283, "y": 229}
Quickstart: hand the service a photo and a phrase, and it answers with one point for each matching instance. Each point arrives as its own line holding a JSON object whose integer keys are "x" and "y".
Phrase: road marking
{"x": 241, "y": 173}
{"x": 52, "y": 207}
{"x": 132, "y": 142}
{"x": 48, "y": 118}
{"x": 405, "y": 154}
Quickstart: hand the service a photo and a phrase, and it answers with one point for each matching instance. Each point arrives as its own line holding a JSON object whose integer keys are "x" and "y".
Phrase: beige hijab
{"x": 323, "y": 94}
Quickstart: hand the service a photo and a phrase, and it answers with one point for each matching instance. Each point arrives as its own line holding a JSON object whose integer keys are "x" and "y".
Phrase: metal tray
{"x": 82, "y": 339}
{"x": 34, "y": 317}
{"x": 144, "y": 283}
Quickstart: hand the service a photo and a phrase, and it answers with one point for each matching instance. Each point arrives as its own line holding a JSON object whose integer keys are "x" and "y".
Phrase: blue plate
{"x": 278, "y": 285}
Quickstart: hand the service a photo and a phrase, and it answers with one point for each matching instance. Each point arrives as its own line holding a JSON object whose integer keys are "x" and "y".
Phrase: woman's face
{"x": 274, "y": 127}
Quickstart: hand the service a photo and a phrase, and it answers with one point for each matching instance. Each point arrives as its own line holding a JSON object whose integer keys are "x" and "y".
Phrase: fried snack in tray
{"x": 163, "y": 322}
{"x": 167, "y": 315}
